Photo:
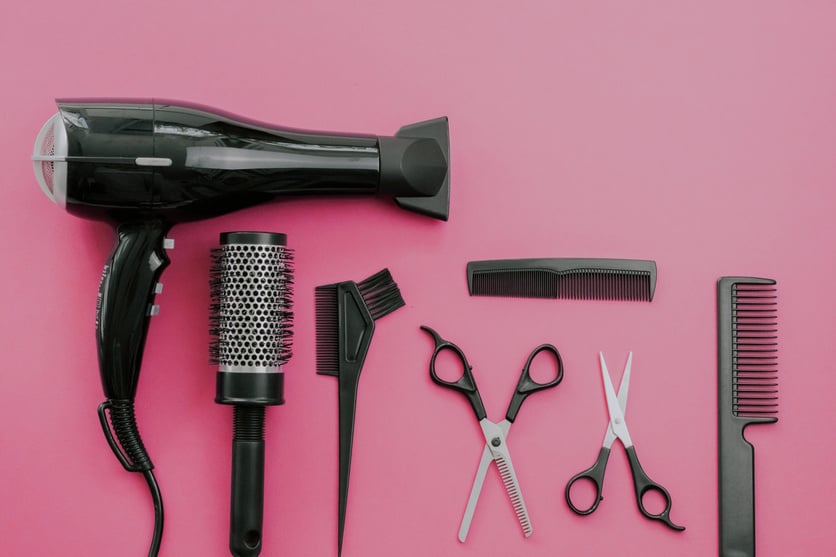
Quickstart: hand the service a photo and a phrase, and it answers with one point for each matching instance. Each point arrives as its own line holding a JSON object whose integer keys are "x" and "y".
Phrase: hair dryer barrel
{"x": 123, "y": 159}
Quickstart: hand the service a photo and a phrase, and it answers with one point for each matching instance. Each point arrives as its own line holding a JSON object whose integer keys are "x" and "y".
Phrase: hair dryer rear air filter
{"x": 50, "y": 159}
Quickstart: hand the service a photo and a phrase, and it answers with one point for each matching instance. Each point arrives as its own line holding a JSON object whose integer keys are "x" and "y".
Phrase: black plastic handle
{"x": 246, "y": 517}
{"x": 126, "y": 294}
{"x": 737, "y": 497}
{"x": 595, "y": 474}
{"x": 465, "y": 384}
{"x": 526, "y": 385}
{"x": 643, "y": 484}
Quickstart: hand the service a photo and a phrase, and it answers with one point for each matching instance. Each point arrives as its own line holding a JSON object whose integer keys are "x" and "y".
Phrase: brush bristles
{"x": 381, "y": 294}
{"x": 755, "y": 350}
{"x": 251, "y": 288}
{"x": 327, "y": 330}
{"x": 381, "y": 297}
{"x": 579, "y": 284}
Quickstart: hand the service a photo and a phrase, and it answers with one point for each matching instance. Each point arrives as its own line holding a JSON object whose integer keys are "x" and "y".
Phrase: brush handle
{"x": 247, "y": 500}
{"x": 347, "y": 410}
{"x": 737, "y": 495}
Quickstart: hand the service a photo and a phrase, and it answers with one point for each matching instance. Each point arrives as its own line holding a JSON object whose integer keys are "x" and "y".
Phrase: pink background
{"x": 701, "y": 135}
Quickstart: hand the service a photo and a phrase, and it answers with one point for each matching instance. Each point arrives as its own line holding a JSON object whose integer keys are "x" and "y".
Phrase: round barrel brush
{"x": 251, "y": 287}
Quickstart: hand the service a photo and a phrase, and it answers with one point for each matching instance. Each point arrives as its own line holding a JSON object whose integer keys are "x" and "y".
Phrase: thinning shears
{"x": 496, "y": 448}
{"x": 617, "y": 429}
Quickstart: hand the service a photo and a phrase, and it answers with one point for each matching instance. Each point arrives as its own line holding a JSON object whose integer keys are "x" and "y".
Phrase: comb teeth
{"x": 327, "y": 330}
{"x": 561, "y": 277}
{"x": 754, "y": 330}
{"x": 578, "y": 284}
{"x": 514, "y": 494}
{"x": 381, "y": 294}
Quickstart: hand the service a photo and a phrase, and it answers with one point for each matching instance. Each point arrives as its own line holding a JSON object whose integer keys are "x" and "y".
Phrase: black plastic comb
{"x": 582, "y": 279}
{"x": 345, "y": 316}
{"x": 747, "y": 385}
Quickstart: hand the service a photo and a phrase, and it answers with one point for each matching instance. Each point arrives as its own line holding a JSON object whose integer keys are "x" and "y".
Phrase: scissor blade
{"x": 481, "y": 472}
{"x": 617, "y": 424}
{"x": 495, "y": 435}
{"x": 504, "y": 426}
{"x": 478, "y": 481}
{"x": 625, "y": 385}
{"x": 512, "y": 486}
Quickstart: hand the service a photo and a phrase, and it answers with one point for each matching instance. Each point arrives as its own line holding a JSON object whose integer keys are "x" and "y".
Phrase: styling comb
{"x": 747, "y": 394}
{"x": 345, "y": 316}
{"x": 579, "y": 279}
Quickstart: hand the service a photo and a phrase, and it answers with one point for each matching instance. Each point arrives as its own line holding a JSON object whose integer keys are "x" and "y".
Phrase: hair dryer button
{"x": 158, "y": 288}
{"x": 168, "y": 243}
{"x": 153, "y": 310}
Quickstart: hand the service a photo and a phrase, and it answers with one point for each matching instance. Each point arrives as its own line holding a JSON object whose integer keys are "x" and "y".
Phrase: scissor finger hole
{"x": 544, "y": 367}
{"x": 654, "y": 501}
{"x": 583, "y": 494}
{"x": 448, "y": 365}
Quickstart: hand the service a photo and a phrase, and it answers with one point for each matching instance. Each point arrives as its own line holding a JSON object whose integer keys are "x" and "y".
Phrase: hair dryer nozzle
{"x": 418, "y": 157}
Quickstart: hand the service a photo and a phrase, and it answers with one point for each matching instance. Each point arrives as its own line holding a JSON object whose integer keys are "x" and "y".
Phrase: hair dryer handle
{"x": 126, "y": 295}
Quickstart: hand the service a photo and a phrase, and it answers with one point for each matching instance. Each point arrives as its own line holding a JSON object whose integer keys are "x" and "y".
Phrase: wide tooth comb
{"x": 747, "y": 326}
{"x": 578, "y": 279}
{"x": 754, "y": 307}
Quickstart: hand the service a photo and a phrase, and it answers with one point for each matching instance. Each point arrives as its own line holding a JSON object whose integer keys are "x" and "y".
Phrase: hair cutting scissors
{"x": 617, "y": 428}
{"x": 496, "y": 449}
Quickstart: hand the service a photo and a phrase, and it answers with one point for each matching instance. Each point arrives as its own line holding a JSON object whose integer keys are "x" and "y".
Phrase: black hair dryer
{"x": 147, "y": 165}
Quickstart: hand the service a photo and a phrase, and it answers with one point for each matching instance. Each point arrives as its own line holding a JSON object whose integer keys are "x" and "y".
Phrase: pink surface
{"x": 701, "y": 136}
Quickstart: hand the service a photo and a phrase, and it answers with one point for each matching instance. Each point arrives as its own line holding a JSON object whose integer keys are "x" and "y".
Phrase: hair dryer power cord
{"x": 132, "y": 455}
{"x": 158, "y": 512}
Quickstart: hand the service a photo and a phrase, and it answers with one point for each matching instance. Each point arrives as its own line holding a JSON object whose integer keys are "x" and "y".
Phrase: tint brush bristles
{"x": 755, "y": 350}
{"x": 381, "y": 294}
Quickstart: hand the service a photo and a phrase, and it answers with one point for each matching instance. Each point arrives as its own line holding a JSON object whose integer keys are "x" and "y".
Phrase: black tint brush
{"x": 345, "y": 316}
{"x": 747, "y": 378}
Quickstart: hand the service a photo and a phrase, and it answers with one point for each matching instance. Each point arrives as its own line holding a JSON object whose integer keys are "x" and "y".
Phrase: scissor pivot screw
{"x": 496, "y": 441}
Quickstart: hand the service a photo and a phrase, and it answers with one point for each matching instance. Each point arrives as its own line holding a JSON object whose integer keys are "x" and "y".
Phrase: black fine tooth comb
{"x": 345, "y": 316}
{"x": 580, "y": 279}
{"x": 747, "y": 378}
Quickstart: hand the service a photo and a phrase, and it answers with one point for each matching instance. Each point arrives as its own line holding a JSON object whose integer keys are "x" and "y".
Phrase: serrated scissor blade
{"x": 512, "y": 486}
{"x": 495, "y": 435}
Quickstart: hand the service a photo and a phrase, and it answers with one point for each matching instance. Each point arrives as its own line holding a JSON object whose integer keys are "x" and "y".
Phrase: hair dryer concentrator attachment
{"x": 424, "y": 163}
